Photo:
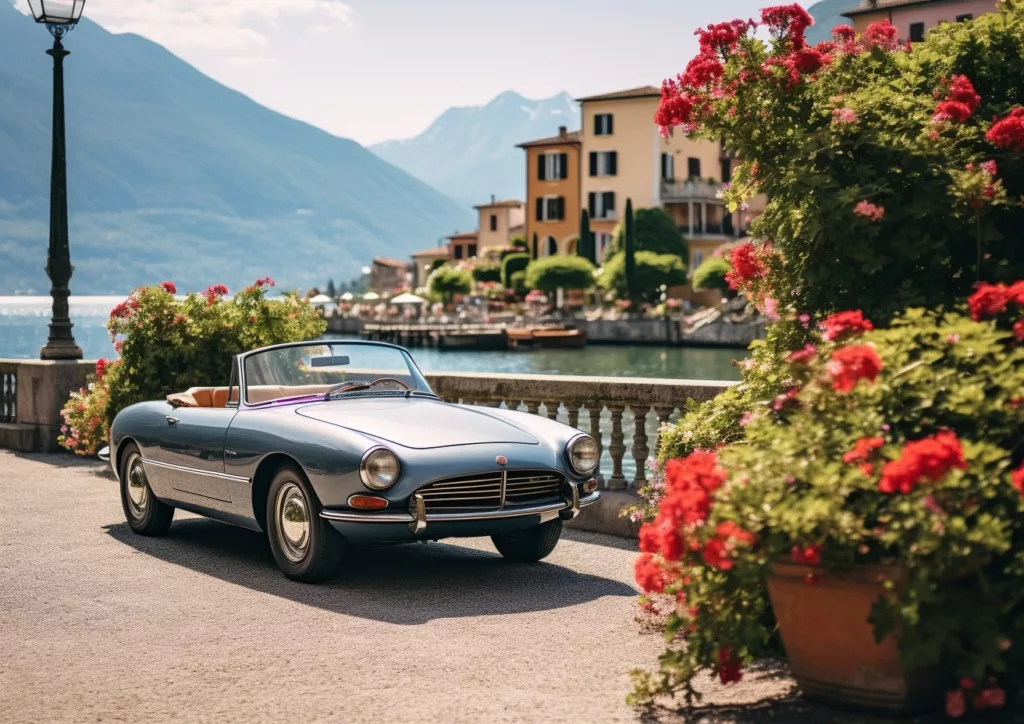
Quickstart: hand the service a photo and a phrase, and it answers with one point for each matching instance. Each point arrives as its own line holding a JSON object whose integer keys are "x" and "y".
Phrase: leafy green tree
{"x": 517, "y": 282}
{"x": 652, "y": 271}
{"x": 486, "y": 272}
{"x": 447, "y": 281}
{"x": 560, "y": 272}
{"x": 586, "y": 247}
{"x": 332, "y": 291}
{"x": 519, "y": 242}
{"x": 437, "y": 264}
{"x": 710, "y": 275}
{"x": 510, "y": 265}
{"x": 629, "y": 247}
{"x": 655, "y": 231}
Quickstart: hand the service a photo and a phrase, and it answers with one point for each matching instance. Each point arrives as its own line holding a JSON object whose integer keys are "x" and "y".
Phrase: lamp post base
{"x": 60, "y": 350}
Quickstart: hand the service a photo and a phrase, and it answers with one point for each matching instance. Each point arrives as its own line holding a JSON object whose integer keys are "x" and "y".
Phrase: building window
{"x": 471, "y": 251}
{"x": 668, "y": 167}
{"x": 692, "y": 168}
{"x": 494, "y": 222}
{"x": 963, "y": 18}
{"x": 551, "y": 208}
{"x": 726, "y": 170}
{"x": 552, "y": 246}
{"x": 603, "y": 124}
{"x": 604, "y": 163}
{"x": 917, "y": 32}
{"x": 602, "y": 204}
{"x": 457, "y": 250}
{"x": 553, "y": 167}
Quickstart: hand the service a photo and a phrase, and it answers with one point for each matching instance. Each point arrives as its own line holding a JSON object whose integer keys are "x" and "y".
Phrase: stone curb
{"x": 604, "y": 515}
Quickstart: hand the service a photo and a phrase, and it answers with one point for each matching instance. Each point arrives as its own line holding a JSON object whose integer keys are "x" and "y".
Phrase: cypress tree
{"x": 533, "y": 255}
{"x": 630, "y": 251}
{"x": 585, "y": 246}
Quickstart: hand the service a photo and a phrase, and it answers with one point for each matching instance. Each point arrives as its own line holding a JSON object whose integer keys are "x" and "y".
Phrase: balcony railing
{"x": 597, "y": 405}
{"x": 8, "y": 393}
{"x": 692, "y": 190}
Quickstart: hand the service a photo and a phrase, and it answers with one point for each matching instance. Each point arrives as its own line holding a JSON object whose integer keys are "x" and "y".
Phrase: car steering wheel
{"x": 362, "y": 385}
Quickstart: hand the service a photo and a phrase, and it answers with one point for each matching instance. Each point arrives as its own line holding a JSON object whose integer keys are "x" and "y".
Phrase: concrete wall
{"x": 42, "y": 389}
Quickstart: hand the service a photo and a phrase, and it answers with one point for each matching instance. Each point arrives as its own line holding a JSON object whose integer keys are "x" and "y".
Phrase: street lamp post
{"x": 59, "y": 17}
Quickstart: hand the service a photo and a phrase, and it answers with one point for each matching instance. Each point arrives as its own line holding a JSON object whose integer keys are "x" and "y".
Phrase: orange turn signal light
{"x": 367, "y": 502}
{"x": 590, "y": 486}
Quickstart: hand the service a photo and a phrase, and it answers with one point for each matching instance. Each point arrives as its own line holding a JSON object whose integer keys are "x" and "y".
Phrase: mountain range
{"x": 827, "y": 15}
{"x": 470, "y": 152}
{"x": 174, "y": 176}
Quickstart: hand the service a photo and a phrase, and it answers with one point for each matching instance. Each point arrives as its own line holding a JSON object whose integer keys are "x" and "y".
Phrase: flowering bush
{"x": 168, "y": 345}
{"x": 902, "y": 447}
{"x": 893, "y": 174}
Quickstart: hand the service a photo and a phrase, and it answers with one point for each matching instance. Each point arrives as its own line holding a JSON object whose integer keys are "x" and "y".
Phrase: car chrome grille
{"x": 491, "y": 491}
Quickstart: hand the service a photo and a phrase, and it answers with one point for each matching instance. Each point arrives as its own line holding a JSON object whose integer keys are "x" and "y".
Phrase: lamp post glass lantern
{"x": 59, "y": 17}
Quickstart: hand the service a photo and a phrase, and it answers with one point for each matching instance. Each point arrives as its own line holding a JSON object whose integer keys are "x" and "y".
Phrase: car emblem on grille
{"x": 501, "y": 460}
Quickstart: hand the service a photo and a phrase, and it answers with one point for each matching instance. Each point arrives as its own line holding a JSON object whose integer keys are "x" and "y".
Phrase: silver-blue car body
{"x": 318, "y": 443}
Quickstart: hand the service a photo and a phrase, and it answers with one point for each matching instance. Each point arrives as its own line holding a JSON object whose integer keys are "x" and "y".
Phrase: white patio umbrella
{"x": 348, "y": 297}
{"x": 321, "y": 299}
{"x": 408, "y": 298}
{"x": 371, "y": 296}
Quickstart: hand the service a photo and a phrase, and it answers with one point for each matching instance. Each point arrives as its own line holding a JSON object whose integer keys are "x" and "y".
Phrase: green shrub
{"x": 710, "y": 275}
{"x": 652, "y": 272}
{"x": 484, "y": 272}
{"x": 560, "y": 272}
{"x": 512, "y": 264}
{"x": 518, "y": 283}
{"x": 655, "y": 231}
{"x": 168, "y": 345}
{"x": 447, "y": 281}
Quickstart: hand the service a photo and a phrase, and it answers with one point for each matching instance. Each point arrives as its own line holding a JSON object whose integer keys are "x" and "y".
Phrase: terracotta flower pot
{"x": 831, "y": 646}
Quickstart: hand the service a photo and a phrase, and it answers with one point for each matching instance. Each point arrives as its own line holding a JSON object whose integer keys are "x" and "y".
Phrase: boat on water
{"x": 546, "y": 338}
{"x": 478, "y": 340}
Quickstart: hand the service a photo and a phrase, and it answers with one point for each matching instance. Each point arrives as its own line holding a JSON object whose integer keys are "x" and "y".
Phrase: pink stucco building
{"x": 914, "y": 18}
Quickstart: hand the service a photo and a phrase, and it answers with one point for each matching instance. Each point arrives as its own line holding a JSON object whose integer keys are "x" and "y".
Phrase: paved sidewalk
{"x": 100, "y": 624}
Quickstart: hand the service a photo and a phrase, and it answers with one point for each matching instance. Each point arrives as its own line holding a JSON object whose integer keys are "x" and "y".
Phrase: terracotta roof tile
{"x": 385, "y": 261}
{"x": 463, "y": 235}
{"x": 436, "y": 251}
{"x": 506, "y": 203}
{"x": 572, "y": 137}
{"x": 644, "y": 91}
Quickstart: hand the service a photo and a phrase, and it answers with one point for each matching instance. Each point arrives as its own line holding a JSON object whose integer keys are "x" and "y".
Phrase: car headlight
{"x": 379, "y": 469}
{"x": 584, "y": 455}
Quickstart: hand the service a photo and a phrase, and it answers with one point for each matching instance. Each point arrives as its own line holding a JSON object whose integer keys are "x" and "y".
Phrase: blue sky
{"x": 373, "y": 70}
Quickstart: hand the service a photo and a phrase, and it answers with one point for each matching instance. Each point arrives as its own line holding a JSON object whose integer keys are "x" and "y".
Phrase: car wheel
{"x": 145, "y": 514}
{"x": 530, "y": 545}
{"x": 306, "y": 547}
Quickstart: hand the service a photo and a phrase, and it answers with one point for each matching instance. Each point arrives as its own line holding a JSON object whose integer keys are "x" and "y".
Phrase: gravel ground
{"x": 100, "y": 624}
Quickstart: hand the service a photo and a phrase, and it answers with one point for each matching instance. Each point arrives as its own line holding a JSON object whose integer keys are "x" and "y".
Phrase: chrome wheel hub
{"x": 137, "y": 487}
{"x": 292, "y": 522}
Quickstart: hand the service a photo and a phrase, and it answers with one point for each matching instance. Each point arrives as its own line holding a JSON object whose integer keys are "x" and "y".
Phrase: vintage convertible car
{"x": 318, "y": 443}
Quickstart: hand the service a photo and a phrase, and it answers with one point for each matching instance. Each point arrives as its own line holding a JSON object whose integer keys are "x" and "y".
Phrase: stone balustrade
{"x": 597, "y": 405}
{"x": 622, "y": 413}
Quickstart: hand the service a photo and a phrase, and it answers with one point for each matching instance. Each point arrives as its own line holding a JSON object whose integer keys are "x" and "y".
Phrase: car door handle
{"x": 172, "y": 420}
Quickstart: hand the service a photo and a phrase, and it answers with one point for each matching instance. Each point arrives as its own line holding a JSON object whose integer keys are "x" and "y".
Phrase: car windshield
{"x": 340, "y": 369}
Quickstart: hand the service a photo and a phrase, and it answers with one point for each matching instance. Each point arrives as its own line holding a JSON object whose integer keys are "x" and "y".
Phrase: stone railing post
{"x": 594, "y": 410}
{"x": 640, "y": 450}
{"x": 552, "y": 409}
{"x": 573, "y": 409}
{"x": 616, "y": 448}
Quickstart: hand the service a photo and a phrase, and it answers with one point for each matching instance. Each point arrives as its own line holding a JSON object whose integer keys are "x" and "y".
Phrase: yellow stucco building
{"x": 553, "y": 192}
{"x": 499, "y": 222}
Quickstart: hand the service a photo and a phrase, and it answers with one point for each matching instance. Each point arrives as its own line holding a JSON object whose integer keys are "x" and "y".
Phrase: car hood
{"x": 417, "y": 423}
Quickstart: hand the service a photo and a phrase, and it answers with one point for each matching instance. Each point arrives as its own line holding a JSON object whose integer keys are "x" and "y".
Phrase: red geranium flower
{"x": 1017, "y": 478}
{"x": 788, "y": 21}
{"x": 988, "y": 300}
{"x": 169, "y": 287}
{"x": 809, "y": 555}
{"x": 264, "y": 282}
{"x": 960, "y": 102}
{"x": 803, "y": 356}
{"x": 746, "y": 266}
{"x": 843, "y": 325}
{"x": 1008, "y": 133}
{"x": 101, "y": 368}
{"x": 862, "y": 449}
{"x": 849, "y": 365}
{"x": 930, "y": 458}
{"x": 843, "y": 33}
{"x": 650, "y": 575}
{"x": 956, "y": 705}
{"x": 717, "y": 551}
{"x": 882, "y": 35}
{"x": 728, "y": 666}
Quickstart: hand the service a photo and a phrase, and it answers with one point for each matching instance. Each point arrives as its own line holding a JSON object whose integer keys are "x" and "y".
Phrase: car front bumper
{"x": 420, "y": 524}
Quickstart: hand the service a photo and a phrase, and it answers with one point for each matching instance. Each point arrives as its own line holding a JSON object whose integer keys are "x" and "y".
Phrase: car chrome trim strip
{"x": 194, "y": 471}
{"x": 345, "y": 516}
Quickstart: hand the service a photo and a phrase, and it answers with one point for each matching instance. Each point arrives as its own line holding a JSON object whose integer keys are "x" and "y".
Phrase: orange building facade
{"x": 553, "y": 192}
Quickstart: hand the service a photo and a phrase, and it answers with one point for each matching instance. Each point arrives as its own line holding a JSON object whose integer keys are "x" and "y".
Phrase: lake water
{"x": 23, "y": 330}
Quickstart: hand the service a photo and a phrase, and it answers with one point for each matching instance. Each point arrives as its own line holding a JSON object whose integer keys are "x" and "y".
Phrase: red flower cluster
{"x": 786, "y": 399}
{"x": 728, "y": 666}
{"x": 704, "y": 70}
{"x": 869, "y": 211}
{"x": 844, "y": 33}
{"x": 1018, "y": 330}
{"x": 1017, "y": 478}
{"x": 718, "y": 551}
{"x": 168, "y": 287}
{"x": 862, "y": 452}
{"x": 1008, "y": 133}
{"x": 264, "y": 282}
{"x": 843, "y": 325}
{"x": 125, "y": 308}
{"x": 675, "y": 108}
{"x": 721, "y": 37}
{"x": 789, "y": 22}
{"x": 930, "y": 457}
{"x": 991, "y": 300}
{"x": 214, "y": 291}
{"x": 746, "y": 266}
{"x": 960, "y": 102}
{"x": 649, "y": 574}
{"x": 101, "y": 367}
{"x": 809, "y": 555}
{"x": 802, "y": 356}
{"x": 689, "y": 484}
{"x": 849, "y": 365}
{"x": 882, "y": 35}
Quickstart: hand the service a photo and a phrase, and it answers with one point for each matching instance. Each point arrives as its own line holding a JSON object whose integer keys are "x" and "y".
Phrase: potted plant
{"x": 872, "y": 517}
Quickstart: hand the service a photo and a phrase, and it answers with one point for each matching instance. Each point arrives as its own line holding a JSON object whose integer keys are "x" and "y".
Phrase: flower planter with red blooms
{"x": 875, "y": 521}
